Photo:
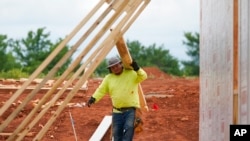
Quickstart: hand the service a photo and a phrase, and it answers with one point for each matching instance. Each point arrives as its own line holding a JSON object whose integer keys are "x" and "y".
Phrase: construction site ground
{"x": 173, "y": 111}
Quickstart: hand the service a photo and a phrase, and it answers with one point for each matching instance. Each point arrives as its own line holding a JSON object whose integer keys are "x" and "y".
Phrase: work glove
{"x": 135, "y": 66}
{"x": 91, "y": 101}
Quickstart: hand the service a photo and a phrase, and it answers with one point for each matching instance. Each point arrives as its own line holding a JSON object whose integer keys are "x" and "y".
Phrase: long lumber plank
{"x": 101, "y": 129}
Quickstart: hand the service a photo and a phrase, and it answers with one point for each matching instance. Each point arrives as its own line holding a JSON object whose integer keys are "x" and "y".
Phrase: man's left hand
{"x": 135, "y": 66}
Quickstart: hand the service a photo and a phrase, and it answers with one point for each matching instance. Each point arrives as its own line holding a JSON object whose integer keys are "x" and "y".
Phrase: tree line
{"x": 20, "y": 57}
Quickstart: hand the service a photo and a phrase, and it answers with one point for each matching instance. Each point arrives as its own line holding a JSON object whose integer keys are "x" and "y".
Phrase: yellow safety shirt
{"x": 123, "y": 88}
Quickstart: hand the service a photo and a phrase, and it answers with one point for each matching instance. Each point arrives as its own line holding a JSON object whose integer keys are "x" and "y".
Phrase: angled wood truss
{"x": 94, "y": 43}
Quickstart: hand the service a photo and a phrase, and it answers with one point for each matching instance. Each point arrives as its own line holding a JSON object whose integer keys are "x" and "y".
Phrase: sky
{"x": 162, "y": 22}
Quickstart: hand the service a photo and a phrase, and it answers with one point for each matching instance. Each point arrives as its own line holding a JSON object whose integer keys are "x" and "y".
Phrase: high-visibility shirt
{"x": 123, "y": 88}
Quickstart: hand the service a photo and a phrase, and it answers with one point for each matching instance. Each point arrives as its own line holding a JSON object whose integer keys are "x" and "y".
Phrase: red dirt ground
{"x": 176, "y": 119}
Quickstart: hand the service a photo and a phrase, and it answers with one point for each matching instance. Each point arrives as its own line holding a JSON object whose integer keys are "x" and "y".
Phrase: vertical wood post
{"x": 235, "y": 63}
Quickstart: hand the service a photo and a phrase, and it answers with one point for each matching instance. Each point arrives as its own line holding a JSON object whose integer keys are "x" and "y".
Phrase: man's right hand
{"x": 91, "y": 101}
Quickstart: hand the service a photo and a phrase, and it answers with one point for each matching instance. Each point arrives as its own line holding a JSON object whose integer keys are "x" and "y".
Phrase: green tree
{"x": 154, "y": 56}
{"x": 149, "y": 56}
{"x": 34, "y": 49}
{"x": 58, "y": 58}
{"x": 192, "y": 68}
{"x": 7, "y": 60}
{"x": 102, "y": 69}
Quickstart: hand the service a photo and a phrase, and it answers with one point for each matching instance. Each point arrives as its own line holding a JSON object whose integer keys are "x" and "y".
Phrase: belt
{"x": 123, "y": 109}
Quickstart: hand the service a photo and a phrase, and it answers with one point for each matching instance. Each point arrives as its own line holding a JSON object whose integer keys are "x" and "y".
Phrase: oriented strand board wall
{"x": 244, "y": 65}
{"x": 216, "y": 65}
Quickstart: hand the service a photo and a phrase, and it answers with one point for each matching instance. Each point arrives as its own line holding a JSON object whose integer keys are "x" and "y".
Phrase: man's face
{"x": 116, "y": 69}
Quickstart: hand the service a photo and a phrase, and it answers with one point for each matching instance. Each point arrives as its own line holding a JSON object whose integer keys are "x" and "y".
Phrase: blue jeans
{"x": 123, "y": 125}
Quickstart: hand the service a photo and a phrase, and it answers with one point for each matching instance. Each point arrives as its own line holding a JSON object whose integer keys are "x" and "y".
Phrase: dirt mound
{"x": 156, "y": 73}
{"x": 176, "y": 118}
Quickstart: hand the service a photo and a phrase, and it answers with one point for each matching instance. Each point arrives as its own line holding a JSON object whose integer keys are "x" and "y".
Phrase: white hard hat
{"x": 113, "y": 61}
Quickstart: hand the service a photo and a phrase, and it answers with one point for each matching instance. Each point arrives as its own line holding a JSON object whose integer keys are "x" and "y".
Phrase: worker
{"x": 122, "y": 86}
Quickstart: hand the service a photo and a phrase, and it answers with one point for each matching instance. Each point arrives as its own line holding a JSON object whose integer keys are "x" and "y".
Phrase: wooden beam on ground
{"x": 101, "y": 129}
{"x": 127, "y": 60}
{"x": 30, "y": 134}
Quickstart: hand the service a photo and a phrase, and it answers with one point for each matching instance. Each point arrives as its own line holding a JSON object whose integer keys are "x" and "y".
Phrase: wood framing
{"x": 119, "y": 15}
